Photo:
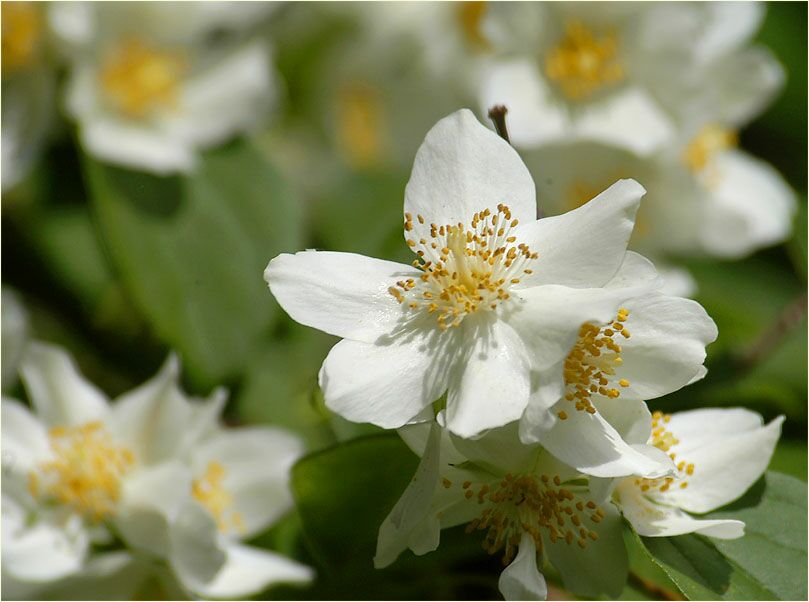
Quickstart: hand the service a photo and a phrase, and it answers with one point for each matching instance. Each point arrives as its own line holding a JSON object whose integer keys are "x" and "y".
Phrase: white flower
{"x": 242, "y": 485}
{"x": 656, "y": 345}
{"x": 624, "y": 74}
{"x": 29, "y": 82}
{"x": 525, "y": 504}
{"x": 706, "y": 197}
{"x": 153, "y": 467}
{"x": 719, "y": 454}
{"x": 68, "y": 466}
{"x": 149, "y": 88}
{"x": 492, "y": 306}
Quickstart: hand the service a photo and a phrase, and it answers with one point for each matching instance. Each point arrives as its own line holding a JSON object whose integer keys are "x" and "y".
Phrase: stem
{"x": 787, "y": 320}
{"x": 498, "y": 115}
{"x": 657, "y": 592}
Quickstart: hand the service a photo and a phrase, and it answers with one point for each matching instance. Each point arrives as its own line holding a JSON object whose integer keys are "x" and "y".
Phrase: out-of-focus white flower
{"x": 624, "y": 74}
{"x": 14, "y": 337}
{"x": 150, "y": 86}
{"x": 241, "y": 482}
{"x": 706, "y": 197}
{"x": 153, "y": 467}
{"x": 719, "y": 454}
{"x": 494, "y": 296}
{"x": 528, "y": 506}
{"x": 28, "y": 86}
{"x": 68, "y": 467}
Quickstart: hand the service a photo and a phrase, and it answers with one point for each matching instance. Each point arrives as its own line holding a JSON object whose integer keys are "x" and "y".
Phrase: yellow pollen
{"x": 209, "y": 491}
{"x": 525, "y": 504}
{"x": 86, "y": 471}
{"x": 22, "y": 31}
{"x": 590, "y": 365}
{"x": 665, "y": 440}
{"x": 582, "y": 63}
{"x": 711, "y": 140}
{"x": 470, "y": 16}
{"x": 465, "y": 269}
{"x": 362, "y": 133}
{"x": 138, "y": 79}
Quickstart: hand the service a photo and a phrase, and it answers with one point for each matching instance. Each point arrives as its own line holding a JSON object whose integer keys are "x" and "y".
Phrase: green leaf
{"x": 341, "y": 516}
{"x": 191, "y": 251}
{"x": 768, "y": 563}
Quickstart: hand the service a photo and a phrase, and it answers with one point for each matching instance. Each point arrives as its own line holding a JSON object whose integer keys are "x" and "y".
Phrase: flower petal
{"x": 749, "y": 206}
{"x": 666, "y": 346}
{"x": 724, "y": 467}
{"x": 196, "y": 552}
{"x": 601, "y": 567}
{"x": 386, "y": 385}
{"x": 228, "y": 97}
{"x": 521, "y": 580}
{"x": 656, "y": 520}
{"x": 494, "y": 386}
{"x": 499, "y": 450}
{"x": 584, "y": 247}
{"x": 45, "y": 550}
{"x": 343, "y": 294}
{"x": 413, "y": 507}
{"x": 248, "y": 570}
{"x": 24, "y": 438}
{"x": 461, "y": 168}
{"x": 629, "y": 119}
{"x": 150, "y": 501}
{"x": 588, "y": 443}
{"x": 257, "y": 461}
{"x": 695, "y": 428}
{"x": 58, "y": 391}
{"x": 146, "y": 418}
{"x": 630, "y": 417}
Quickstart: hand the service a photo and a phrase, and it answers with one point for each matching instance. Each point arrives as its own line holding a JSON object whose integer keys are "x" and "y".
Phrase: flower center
{"x": 22, "y": 29}
{"x": 470, "y": 16}
{"x": 465, "y": 270}
{"x": 532, "y": 504}
{"x": 582, "y": 63}
{"x": 590, "y": 365}
{"x": 210, "y": 492}
{"x": 711, "y": 140}
{"x": 86, "y": 472}
{"x": 361, "y": 124}
{"x": 664, "y": 440}
{"x": 137, "y": 79}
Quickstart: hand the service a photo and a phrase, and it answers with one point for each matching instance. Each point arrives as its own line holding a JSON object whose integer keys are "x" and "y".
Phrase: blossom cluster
{"x": 515, "y": 356}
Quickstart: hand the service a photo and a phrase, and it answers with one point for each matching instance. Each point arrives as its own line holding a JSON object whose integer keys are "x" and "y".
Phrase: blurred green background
{"x": 121, "y": 267}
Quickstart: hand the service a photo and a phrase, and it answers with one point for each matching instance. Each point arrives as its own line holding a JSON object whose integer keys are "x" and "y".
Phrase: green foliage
{"x": 191, "y": 252}
{"x": 768, "y": 563}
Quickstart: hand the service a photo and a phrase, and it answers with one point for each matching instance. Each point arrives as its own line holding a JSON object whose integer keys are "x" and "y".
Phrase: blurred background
{"x": 121, "y": 266}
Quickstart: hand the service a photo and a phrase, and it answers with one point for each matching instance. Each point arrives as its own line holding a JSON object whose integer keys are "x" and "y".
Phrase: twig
{"x": 498, "y": 115}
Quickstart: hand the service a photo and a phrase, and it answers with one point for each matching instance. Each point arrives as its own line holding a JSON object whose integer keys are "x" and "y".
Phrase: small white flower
{"x": 524, "y": 504}
{"x": 68, "y": 467}
{"x": 624, "y": 74}
{"x": 719, "y": 454}
{"x": 493, "y": 304}
{"x": 706, "y": 197}
{"x": 149, "y": 88}
{"x": 242, "y": 483}
{"x": 153, "y": 467}
{"x": 29, "y": 83}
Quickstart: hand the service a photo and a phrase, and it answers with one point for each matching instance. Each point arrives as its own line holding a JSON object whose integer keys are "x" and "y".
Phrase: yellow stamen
{"x": 711, "y": 140}
{"x": 86, "y": 471}
{"x": 582, "y": 63}
{"x": 210, "y": 492}
{"x": 139, "y": 79}
{"x": 22, "y": 32}
{"x": 362, "y": 133}
{"x": 470, "y": 16}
